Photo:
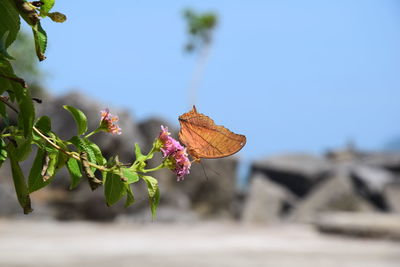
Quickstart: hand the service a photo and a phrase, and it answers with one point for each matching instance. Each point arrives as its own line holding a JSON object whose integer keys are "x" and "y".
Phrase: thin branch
{"x": 4, "y": 99}
{"x": 15, "y": 79}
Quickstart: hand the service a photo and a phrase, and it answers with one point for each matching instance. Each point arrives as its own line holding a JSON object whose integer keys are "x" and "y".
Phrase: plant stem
{"x": 68, "y": 153}
{"x": 154, "y": 169}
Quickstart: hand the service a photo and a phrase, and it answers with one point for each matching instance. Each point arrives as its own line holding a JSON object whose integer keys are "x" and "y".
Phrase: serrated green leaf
{"x": 20, "y": 185}
{"x": 96, "y": 151}
{"x": 154, "y": 193}
{"x": 129, "y": 176}
{"x": 9, "y": 21}
{"x": 35, "y": 179}
{"x": 79, "y": 117}
{"x": 40, "y": 37}
{"x": 130, "y": 199}
{"x": 3, "y": 151}
{"x": 75, "y": 172}
{"x": 82, "y": 146}
{"x": 46, "y": 7}
{"x": 114, "y": 188}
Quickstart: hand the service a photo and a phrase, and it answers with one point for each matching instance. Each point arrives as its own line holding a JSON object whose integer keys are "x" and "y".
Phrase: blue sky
{"x": 293, "y": 76}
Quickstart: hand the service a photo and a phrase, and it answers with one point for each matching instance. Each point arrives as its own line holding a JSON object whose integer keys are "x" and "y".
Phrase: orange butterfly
{"x": 204, "y": 139}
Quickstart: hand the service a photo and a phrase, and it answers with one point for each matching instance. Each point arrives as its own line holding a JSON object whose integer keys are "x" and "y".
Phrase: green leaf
{"x": 26, "y": 113}
{"x": 9, "y": 22}
{"x": 140, "y": 162}
{"x": 82, "y": 145}
{"x": 154, "y": 193}
{"x": 96, "y": 151}
{"x": 46, "y": 7}
{"x": 3, "y": 46}
{"x": 20, "y": 185}
{"x": 90, "y": 152}
{"x": 24, "y": 148}
{"x": 3, "y": 151}
{"x": 129, "y": 196}
{"x": 62, "y": 159}
{"x": 13, "y": 84}
{"x": 44, "y": 124}
{"x": 138, "y": 152}
{"x": 35, "y": 179}
{"x": 75, "y": 172}
{"x": 6, "y": 71}
{"x": 129, "y": 176}
{"x": 40, "y": 37}
{"x": 79, "y": 117}
{"x": 114, "y": 188}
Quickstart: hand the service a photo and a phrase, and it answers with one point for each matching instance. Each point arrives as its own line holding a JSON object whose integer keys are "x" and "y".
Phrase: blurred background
{"x": 313, "y": 85}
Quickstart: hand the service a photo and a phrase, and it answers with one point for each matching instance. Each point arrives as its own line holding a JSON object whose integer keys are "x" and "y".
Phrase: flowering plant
{"x": 78, "y": 154}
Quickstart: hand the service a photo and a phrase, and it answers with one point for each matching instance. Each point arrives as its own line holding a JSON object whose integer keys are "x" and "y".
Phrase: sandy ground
{"x": 32, "y": 243}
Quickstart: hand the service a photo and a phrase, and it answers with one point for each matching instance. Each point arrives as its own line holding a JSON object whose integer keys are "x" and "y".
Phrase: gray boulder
{"x": 8, "y": 200}
{"x": 386, "y": 160}
{"x": 267, "y": 201}
{"x": 211, "y": 186}
{"x": 392, "y": 196}
{"x": 370, "y": 183}
{"x": 297, "y": 172}
{"x": 337, "y": 193}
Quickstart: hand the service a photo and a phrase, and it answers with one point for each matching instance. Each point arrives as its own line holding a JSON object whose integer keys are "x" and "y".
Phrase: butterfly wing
{"x": 204, "y": 139}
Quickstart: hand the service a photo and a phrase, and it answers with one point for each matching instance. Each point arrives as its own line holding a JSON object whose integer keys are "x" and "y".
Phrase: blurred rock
{"x": 78, "y": 205}
{"x": 211, "y": 186}
{"x": 370, "y": 183}
{"x": 267, "y": 201}
{"x": 297, "y": 172}
{"x": 337, "y": 193}
{"x": 376, "y": 225}
{"x": 388, "y": 160}
{"x": 392, "y": 196}
{"x": 8, "y": 200}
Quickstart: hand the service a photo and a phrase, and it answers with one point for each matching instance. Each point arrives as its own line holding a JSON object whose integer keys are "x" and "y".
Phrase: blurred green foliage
{"x": 200, "y": 27}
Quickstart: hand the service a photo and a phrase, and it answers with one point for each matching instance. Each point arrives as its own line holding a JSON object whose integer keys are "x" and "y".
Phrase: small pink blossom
{"x": 109, "y": 122}
{"x": 170, "y": 145}
{"x": 173, "y": 150}
{"x": 183, "y": 164}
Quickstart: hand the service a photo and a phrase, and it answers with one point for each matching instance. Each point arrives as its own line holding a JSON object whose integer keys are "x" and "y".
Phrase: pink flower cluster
{"x": 174, "y": 150}
{"x": 109, "y": 122}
